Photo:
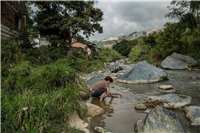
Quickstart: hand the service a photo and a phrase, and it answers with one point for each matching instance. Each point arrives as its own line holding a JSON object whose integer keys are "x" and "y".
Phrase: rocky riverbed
{"x": 178, "y": 91}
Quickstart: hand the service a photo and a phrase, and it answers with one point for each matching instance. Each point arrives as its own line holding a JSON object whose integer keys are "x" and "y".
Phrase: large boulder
{"x": 92, "y": 78}
{"x": 173, "y": 100}
{"x": 160, "y": 120}
{"x": 115, "y": 68}
{"x": 143, "y": 72}
{"x": 177, "y": 61}
{"x": 193, "y": 114}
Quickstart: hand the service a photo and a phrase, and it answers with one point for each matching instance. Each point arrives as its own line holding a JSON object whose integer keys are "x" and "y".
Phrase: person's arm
{"x": 109, "y": 93}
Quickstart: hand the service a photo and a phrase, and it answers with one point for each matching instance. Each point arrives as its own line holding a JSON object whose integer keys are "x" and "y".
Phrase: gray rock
{"x": 91, "y": 79}
{"x": 160, "y": 120}
{"x": 173, "y": 63}
{"x": 85, "y": 130}
{"x": 143, "y": 72}
{"x": 177, "y": 61}
{"x": 101, "y": 130}
{"x": 93, "y": 110}
{"x": 115, "y": 68}
{"x": 187, "y": 59}
{"x": 75, "y": 121}
{"x": 140, "y": 106}
{"x": 125, "y": 68}
{"x": 168, "y": 91}
{"x": 84, "y": 95}
{"x": 173, "y": 100}
{"x": 165, "y": 87}
{"x": 193, "y": 114}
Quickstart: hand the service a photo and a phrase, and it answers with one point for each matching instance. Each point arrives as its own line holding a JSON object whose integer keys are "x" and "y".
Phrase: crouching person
{"x": 101, "y": 88}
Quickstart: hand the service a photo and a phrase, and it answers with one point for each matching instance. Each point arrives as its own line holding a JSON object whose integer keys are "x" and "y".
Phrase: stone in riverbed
{"x": 160, "y": 120}
{"x": 193, "y": 114}
{"x": 177, "y": 61}
{"x": 92, "y": 78}
{"x": 101, "y": 130}
{"x": 173, "y": 100}
{"x": 143, "y": 72}
{"x": 168, "y": 91}
{"x": 76, "y": 122}
{"x": 140, "y": 107}
{"x": 93, "y": 110}
{"x": 165, "y": 87}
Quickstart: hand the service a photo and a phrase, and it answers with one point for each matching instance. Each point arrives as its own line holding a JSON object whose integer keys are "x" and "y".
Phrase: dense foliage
{"x": 59, "y": 21}
{"x": 124, "y": 46}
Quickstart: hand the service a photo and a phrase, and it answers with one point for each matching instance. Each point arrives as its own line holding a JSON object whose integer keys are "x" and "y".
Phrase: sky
{"x": 125, "y": 17}
{"x": 122, "y": 17}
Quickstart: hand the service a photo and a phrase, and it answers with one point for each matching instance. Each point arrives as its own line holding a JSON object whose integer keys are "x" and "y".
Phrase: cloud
{"x": 129, "y": 16}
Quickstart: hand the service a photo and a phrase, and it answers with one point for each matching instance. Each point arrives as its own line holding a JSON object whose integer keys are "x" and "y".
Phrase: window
{"x": 17, "y": 22}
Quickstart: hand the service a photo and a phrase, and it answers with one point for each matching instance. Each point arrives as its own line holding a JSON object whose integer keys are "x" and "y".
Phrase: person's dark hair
{"x": 109, "y": 78}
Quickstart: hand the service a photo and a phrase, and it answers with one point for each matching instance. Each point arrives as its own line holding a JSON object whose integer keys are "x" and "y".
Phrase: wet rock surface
{"x": 177, "y": 61}
{"x": 141, "y": 107}
{"x": 193, "y": 114}
{"x": 165, "y": 87}
{"x": 143, "y": 72}
{"x": 173, "y": 100}
{"x": 160, "y": 120}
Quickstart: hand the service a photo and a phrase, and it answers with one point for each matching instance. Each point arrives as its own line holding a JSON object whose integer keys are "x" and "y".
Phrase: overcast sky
{"x": 123, "y": 17}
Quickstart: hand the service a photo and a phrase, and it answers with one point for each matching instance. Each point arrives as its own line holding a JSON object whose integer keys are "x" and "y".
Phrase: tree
{"x": 186, "y": 11}
{"x": 124, "y": 47}
{"x": 62, "y": 20}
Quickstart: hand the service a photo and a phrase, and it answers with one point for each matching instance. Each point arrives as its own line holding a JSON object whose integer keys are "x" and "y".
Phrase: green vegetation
{"x": 181, "y": 37}
{"x": 124, "y": 46}
{"x": 40, "y": 88}
{"x": 59, "y": 21}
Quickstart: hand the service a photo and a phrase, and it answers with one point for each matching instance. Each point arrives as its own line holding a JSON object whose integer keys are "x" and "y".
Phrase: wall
{"x": 12, "y": 18}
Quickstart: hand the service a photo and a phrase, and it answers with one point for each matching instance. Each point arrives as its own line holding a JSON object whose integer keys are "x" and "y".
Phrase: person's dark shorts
{"x": 98, "y": 93}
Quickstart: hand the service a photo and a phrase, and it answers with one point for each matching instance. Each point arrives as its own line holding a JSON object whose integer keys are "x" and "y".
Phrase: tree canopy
{"x": 62, "y": 20}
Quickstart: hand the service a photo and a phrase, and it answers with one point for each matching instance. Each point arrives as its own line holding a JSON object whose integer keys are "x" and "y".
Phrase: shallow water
{"x": 120, "y": 114}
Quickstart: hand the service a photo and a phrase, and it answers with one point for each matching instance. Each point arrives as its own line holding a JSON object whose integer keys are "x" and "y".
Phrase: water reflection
{"x": 104, "y": 105}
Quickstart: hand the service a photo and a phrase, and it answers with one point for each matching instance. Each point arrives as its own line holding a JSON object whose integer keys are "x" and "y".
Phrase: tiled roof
{"x": 79, "y": 44}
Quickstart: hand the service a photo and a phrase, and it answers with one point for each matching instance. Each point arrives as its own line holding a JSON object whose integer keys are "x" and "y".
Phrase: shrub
{"x": 109, "y": 55}
{"x": 11, "y": 53}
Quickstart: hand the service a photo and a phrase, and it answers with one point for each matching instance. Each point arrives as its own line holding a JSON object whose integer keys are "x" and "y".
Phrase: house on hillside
{"x": 90, "y": 50}
{"x": 13, "y": 19}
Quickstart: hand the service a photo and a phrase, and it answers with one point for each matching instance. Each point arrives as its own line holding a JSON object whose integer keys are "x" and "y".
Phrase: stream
{"x": 120, "y": 114}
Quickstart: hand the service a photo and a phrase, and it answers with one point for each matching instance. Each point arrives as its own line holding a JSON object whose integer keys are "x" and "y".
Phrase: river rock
{"x": 85, "y": 130}
{"x": 93, "y": 110}
{"x": 92, "y": 78}
{"x": 193, "y": 114}
{"x": 101, "y": 130}
{"x": 76, "y": 122}
{"x": 165, "y": 87}
{"x": 143, "y": 72}
{"x": 177, "y": 61}
{"x": 173, "y": 100}
{"x": 168, "y": 91}
{"x": 115, "y": 68}
{"x": 140, "y": 107}
{"x": 84, "y": 95}
{"x": 185, "y": 58}
{"x": 160, "y": 120}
